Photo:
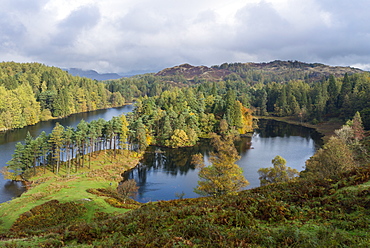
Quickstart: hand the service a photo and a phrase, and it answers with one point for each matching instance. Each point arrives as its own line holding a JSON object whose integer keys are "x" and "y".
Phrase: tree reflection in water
{"x": 164, "y": 173}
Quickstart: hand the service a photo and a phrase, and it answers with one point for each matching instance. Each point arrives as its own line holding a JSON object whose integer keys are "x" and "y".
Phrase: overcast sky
{"x": 150, "y": 35}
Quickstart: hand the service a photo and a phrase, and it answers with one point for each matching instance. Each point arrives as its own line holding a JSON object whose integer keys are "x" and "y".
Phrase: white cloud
{"x": 124, "y": 35}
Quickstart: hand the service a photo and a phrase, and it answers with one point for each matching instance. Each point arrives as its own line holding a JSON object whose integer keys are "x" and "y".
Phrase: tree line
{"x": 175, "y": 118}
{"x": 329, "y": 97}
{"x": 288, "y": 93}
{"x": 68, "y": 148}
{"x": 32, "y": 92}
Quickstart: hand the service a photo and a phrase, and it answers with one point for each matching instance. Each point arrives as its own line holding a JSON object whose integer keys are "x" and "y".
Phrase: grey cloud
{"x": 12, "y": 32}
{"x": 152, "y": 35}
{"x": 262, "y": 32}
{"x": 261, "y": 28}
{"x": 75, "y": 24}
{"x": 23, "y": 6}
{"x": 142, "y": 21}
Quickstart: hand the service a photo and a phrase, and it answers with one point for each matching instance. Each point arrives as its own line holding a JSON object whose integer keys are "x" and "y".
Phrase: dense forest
{"x": 32, "y": 92}
{"x": 180, "y": 117}
{"x": 309, "y": 92}
{"x": 173, "y": 119}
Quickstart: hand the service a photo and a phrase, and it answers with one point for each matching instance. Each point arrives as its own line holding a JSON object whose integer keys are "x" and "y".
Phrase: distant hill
{"x": 190, "y": 72}
{"x": 92, "y": 74}
{"x": 276, "y": 70}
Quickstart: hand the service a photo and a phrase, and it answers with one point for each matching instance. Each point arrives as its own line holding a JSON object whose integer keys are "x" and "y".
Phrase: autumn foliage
{"x": 222, "y": 176}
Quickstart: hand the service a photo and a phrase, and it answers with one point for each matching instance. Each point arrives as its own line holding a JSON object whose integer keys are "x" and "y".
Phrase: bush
{"x": 51, "y": 214}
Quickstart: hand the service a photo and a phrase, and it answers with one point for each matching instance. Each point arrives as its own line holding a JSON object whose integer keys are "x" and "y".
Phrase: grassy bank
{"x": 105, "y": 173}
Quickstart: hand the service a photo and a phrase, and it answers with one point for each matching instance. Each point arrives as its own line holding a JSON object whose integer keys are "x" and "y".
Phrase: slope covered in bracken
{"x": 272, "y": 71}
{"x": 303, "y": 213}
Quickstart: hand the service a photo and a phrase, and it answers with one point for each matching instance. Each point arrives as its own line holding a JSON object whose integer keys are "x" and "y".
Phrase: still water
{"x": 9, "y": 189}
{"x": 166, "y": 174}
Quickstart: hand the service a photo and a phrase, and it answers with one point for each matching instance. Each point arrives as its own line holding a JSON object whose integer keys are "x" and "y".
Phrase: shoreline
{"x": 325, "y": 128}
{"x": 62, "y": 117}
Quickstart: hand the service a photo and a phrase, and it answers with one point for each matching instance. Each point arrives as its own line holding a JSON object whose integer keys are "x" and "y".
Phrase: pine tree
{"x": 81, "y": 141}
{"x": 44, "y": 149}
{"x": 357, "y": 127}
{"x": 56, "y": 140}
{"x": 68, "y": 137}
{"x": 345, "y": 90}
{"x": 16, "y": 164}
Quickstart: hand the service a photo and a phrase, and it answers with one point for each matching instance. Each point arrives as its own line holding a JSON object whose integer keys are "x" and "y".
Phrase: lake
{"x": 165, "y": 174}
{"x": 9, "y": 189}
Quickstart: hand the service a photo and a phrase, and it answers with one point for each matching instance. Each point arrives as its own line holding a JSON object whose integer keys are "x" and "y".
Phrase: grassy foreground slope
{"x": 322, "y": 213}
{"x": 74, "y": 195}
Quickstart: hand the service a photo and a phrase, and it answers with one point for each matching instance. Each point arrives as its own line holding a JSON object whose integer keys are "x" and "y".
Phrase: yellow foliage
{"x": 8, "y": 174}
{"x": 247, "y": 120}
{"x": 179, "y": 138}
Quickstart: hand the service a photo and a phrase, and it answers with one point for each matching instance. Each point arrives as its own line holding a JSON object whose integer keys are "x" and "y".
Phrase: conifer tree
{"x": 44, "y": 149}
{"x": 16, "y": 164}
{"x": 68, "y": 137}
{"x": 81, "y": 141}
{"x": 56, "y": 140}
{"x": 124, "y": 131}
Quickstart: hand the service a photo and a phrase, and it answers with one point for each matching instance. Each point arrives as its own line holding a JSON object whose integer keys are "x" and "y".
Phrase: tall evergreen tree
{"x": 16, "y": 164}
{"x": 56, "y": 140}
{"x": 81, "y": 140}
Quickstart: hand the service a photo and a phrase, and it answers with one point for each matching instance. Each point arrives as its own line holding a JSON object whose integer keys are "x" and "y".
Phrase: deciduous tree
{"x": 223, "y": 176}
{"x": 335, "y": 157}
{"x": 128, "y": 188}
{"x": 278, "y": 173}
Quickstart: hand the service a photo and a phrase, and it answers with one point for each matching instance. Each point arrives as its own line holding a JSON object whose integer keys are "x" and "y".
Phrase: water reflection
{"x": 168, "y": 171}
{"x": 12, "y": 189}
{"x": 271, "y": 128}
{"x": 165, "y": 172}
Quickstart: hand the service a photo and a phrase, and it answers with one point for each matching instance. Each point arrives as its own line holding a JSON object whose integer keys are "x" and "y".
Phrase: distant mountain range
{"x": 92, "y": 74}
